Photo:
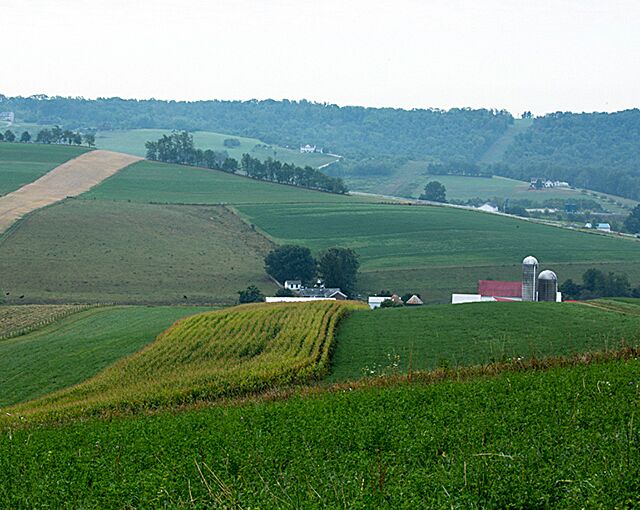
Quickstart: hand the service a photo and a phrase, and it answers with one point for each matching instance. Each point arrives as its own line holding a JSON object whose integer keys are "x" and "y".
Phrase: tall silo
{"x": 547, "y": 286}
{"x": 529, "y": 278}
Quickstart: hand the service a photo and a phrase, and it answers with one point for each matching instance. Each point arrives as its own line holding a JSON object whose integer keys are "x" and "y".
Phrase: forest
{"x": 352, "y": 131}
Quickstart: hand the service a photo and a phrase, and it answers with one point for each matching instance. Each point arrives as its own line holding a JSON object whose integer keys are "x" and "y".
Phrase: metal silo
{"x": 529, "y": 278}
{"x": 547, "y": 286}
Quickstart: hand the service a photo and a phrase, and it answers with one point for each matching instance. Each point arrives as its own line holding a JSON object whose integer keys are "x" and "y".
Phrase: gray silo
{"x": 529, "y": 278}
{"x": 547, "y": 286}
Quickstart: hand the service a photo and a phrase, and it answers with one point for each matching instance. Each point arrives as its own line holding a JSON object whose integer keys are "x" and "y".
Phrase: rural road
{"x": 67, "y": 180}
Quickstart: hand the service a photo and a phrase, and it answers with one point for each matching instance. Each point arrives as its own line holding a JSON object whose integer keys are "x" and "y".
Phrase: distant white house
{"x": 294, "y": 285}
{"x": 588, "y": 225}
{"x": 604, "y": 227}
{"x": 488, "y": 208}
{"x": 307, "y": 148}
{"x": 376, "y": 301}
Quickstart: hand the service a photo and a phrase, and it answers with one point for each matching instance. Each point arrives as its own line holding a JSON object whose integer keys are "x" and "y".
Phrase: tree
{"x": 632, "y": 222}
{"x": 76, "y": 138}
{"x": 435, "y": 192}
{"x": 290, "y": 262}
{"x": 9, "y": 136}
{"x": 284, "y": 293}
{"x": 90, "y": 139}
{"x": 230, "y": 165}
{"x": 251, "y": 294}
{"x": 1, "y": 137}
{"x": 339, "y": 268}
{"x": 25, "y": 137}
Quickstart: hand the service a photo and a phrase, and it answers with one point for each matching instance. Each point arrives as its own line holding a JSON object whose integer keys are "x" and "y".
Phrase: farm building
{"x": 294, "y": 285}
{"x": 322, "y": 293}
{"x": 296, "y": 299}
{"x": 533, "y": 287}
{"x": 488, "y": 208}
{"x": 307, "y": 148}
{"x": 414, "y": 301}
{"x": 376, "y": 301}
{"x": 604, "y": 227}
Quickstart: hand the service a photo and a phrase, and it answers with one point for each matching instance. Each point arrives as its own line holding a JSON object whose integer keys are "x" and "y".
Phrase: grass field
{"x": 437, "y": 250}
{"x": 216, "y": 354}
{"x": 375, "y": 342}
{"x": 22, "y": 163}
{"x": 132, "y": 142}
{"x": 561, "y": 438}
{"x": 75, "y": 348}
{"x": 22, "y": 319}
{"x": 161, "y": 183}
{"x": 94, "y": 251}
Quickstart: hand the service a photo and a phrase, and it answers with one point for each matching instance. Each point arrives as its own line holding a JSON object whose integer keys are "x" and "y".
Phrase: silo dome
{"x": 547, "y": 275}
{"x": 530, "y": 261}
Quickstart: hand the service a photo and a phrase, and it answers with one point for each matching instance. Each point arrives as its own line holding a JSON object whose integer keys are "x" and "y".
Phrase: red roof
{"x": 494, "y": 288}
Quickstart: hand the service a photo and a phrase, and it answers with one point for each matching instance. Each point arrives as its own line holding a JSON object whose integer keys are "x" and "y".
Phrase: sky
{"x": 542, "y": 55}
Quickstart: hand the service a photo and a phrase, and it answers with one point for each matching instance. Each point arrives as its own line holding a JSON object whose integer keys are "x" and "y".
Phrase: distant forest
{"x": 599, "y": 151}
{"x": 351, "y": 131}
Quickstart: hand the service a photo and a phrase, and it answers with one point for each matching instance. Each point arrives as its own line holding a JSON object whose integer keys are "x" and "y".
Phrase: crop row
{"x": 207, "y": 356}
{"x": 22, "y": 319}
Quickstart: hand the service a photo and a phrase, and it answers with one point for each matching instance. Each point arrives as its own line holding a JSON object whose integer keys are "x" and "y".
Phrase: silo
{"x": 529, "y": 278}
{"x": 547, "y": 286}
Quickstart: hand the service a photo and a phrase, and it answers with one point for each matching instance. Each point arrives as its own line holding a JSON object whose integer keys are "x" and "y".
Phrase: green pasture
{"x": 22, "y": 163}
{"x": 73, "y": 349}
{"x": 132, "y": 142}
{"x": 149, "y": 181}
{"x": 394, "y": 340}
{"x": 120, "y": 252}
{"x": 561, "y": 438}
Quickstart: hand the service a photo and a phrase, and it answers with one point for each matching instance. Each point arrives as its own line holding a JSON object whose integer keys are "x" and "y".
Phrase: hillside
{"x": 217, "y": 354}
{"x": 562, "y": 438}
{"x": 394, "y": 340}
{"x": 73, "y": 349}
{"x": 349, "y": 130}
{"x": 22, "y": 163}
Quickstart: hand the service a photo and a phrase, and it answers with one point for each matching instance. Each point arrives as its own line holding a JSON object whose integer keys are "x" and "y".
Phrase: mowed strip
{"x": 67, "y": 180}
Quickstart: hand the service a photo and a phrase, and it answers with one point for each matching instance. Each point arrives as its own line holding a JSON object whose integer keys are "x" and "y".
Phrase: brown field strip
{"x": 67, "y": 180}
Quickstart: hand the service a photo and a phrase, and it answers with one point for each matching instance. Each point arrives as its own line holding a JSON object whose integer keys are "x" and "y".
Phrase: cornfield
{"x": 216, "y": 354}
{"x": 22, "y": 319}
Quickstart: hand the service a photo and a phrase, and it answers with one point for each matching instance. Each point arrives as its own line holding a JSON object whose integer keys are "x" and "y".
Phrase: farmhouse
{"x": 322, "y": 293}
{"x": 307, "y": 293}
{"x": 293, "y": 285}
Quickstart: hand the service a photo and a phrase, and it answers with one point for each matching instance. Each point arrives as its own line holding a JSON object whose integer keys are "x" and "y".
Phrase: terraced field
{"x": 20, "y": 320}
{"x": 208, "y": 356}
{"x": 72, "y": 349}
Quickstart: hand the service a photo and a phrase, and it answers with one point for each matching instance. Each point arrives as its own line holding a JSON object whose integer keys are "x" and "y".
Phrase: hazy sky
{"x": 541, "y": 55}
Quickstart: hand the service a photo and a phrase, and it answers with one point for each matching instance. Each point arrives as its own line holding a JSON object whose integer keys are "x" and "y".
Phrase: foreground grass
{"x": 73, "y": 349}
{"x": 398, "y": 339}
{"x": 22, "y": 163}
{"x": 563, "y": 438}
{"x": 95, "y": 251}
{"x": 217, "y": 354}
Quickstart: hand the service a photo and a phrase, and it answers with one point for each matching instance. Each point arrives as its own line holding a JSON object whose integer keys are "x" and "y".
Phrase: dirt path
{"x": 67, "y": 180}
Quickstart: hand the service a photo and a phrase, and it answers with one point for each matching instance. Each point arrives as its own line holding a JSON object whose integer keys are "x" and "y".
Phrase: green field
{"x": 561, "y": 438}
{"x": 22, "y": 163}
{"x": 132, "y": 142}
{"x": 227, "y": 353}
{"x": 118, "y": 252}
{"x": 148, "y": 181}
{"x": 75, "y": 348}
{"x": 392, "y": 340}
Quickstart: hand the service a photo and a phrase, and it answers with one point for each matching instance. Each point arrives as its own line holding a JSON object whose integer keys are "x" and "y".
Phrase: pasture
{"x": 216, "y": 354}
{"x": 118, "y": 252}
{"x": 132, "y": 142}
{"x": 22, "y": 163}
{"x": 562, "y": 438}
{"x": 395, "y": 340}
{"x": 75, "y": 348}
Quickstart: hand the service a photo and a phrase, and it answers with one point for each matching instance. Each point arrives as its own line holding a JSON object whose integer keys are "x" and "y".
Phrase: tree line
{"x": 55, "y": 135}
{"x": 598, "y": 284}
{"x": 178, "y": 147}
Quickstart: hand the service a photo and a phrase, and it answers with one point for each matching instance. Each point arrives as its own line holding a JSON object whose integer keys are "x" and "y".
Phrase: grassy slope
{"x": 563, "y": 438}
{"x": 371, "y": 342}
{"x": 22, "y": 163}
{"x": 74, "y": 349}
{"x": 132, "y": 142}
{"x": 430, "y": 250}
{"x": 495, "y": 152}
{"x": 94, "y": 251}
{"x": 217, "y": 354}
